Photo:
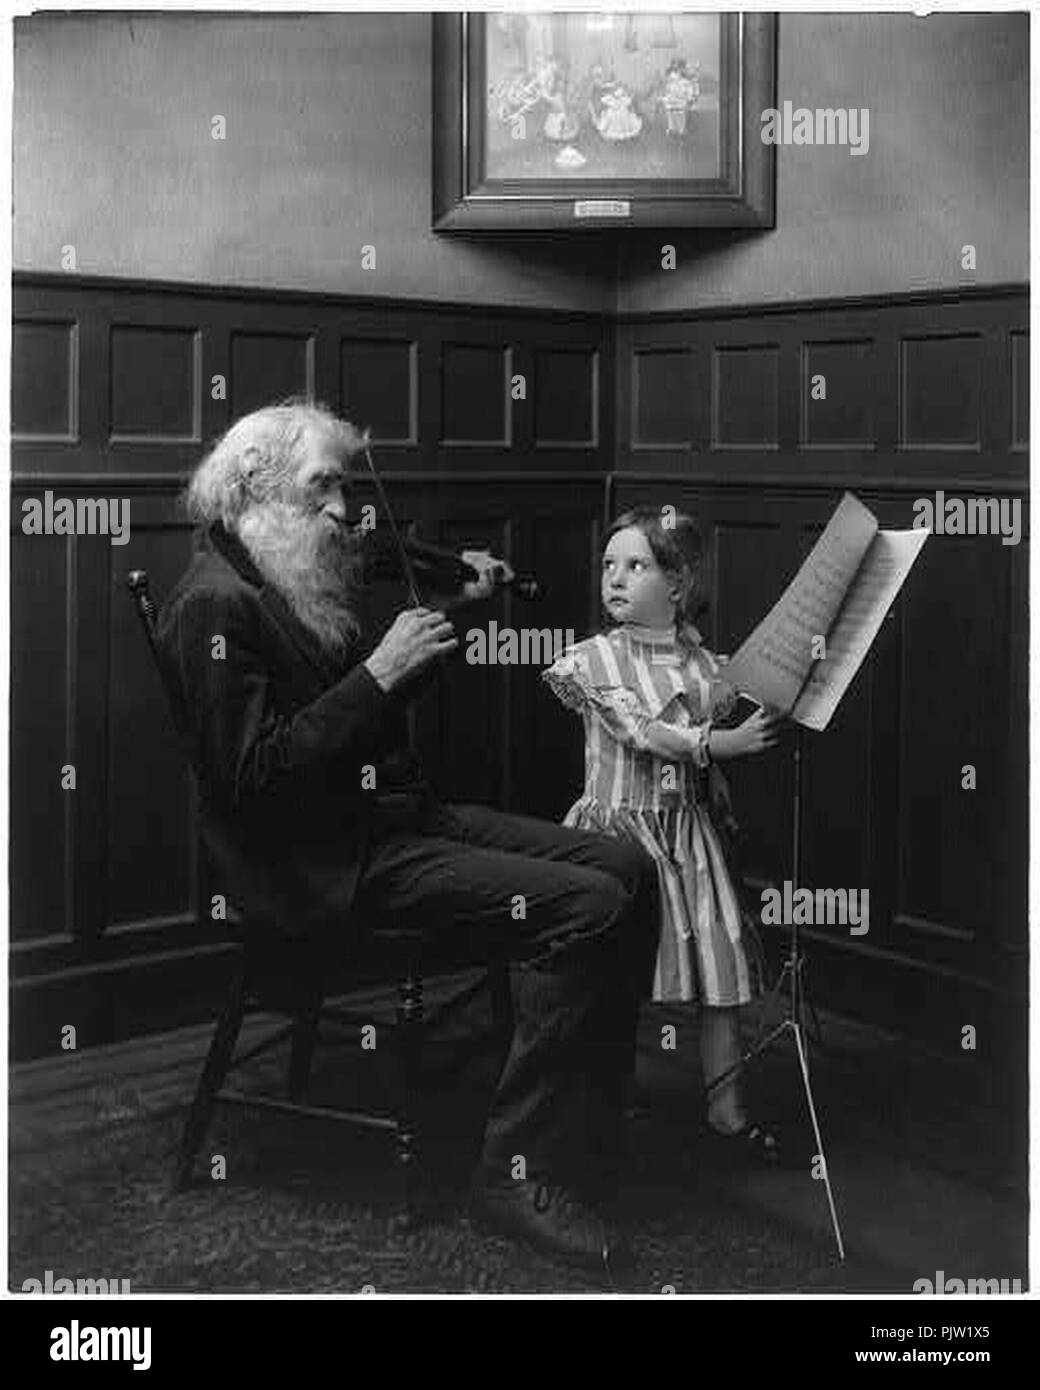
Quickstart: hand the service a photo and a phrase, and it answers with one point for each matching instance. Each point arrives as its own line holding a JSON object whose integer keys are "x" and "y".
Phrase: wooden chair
{"x": 273, "y": 974}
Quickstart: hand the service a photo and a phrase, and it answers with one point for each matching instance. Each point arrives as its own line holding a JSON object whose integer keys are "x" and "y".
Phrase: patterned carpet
{"x": 305, "y": 1205}
{"x": 290, "y": 1218}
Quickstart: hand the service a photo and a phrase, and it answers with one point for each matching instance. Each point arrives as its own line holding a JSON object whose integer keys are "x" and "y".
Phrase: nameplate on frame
{"x": 603, "y": 207}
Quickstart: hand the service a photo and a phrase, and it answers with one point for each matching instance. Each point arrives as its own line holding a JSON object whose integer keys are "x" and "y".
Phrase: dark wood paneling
{"x": 379, "y": 387}
{"x": 941, "y": 392}
{"x": 476, "y": 399}
{"x": 566, "y": 387}
{"x": 40, "y": 733}
{"x": 953, "y": 711}
{"x": 44, "y": 379}
{"x": 844, "y": 417}
{"x": 1019, "y": 390}
{"x": 465, "y": 726}
{"x": 89, "y": 653}
{"x": 267, "y": 367}
{"x": 562, "y": 547}
{"x": 155, "y": 376}
{"x": 893, "y": 369}
{"x": 663, "y": 398}
{"x": 434, "y": 382}
{"x": 745, "y": 408}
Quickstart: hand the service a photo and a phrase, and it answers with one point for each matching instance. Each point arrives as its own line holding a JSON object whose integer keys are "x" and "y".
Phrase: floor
{"x": 926, "y": 1151}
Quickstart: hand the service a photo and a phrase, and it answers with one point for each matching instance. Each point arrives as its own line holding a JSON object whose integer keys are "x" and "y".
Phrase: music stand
{"x": 793, "y": 1021}
{"x": 862, "y": 569}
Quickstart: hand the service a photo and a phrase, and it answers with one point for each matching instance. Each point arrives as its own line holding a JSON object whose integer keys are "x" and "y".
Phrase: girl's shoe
{"x": 756, "y": 1145}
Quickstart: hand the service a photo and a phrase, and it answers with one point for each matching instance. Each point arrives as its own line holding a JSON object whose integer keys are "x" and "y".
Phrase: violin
{"x": 425, "y": 566}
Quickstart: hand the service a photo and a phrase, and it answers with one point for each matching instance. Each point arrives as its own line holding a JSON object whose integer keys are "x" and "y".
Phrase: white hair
{"x": 258, "y": 458}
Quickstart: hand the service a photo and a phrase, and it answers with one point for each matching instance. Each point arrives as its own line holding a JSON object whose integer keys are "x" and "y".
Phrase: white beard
{"x": 316, "y": 568}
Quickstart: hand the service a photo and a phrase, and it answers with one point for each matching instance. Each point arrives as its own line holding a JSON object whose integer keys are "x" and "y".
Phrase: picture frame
{"x": 570, "y": 121}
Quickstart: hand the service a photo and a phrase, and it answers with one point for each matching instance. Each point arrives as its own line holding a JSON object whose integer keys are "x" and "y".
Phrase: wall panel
{"x": 42, "y": 613}
{"x": 44, "y": 379}
{"x": 155, "y": 383}
{"x": 379, "y": 381}
{"x": 838, "y": 395}
{"x": 268, "y": 367}
{"x": 940, "y": 392}
{"x": 663, "y": 401}
{"x": 745, "y": 407}
{"x": 476, "y": 400}
{"x": 566, "y": 396}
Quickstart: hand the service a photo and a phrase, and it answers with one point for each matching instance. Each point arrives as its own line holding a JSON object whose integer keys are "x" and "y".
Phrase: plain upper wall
{"x": 328, "y": 149}
{"x": 948, "y": 164}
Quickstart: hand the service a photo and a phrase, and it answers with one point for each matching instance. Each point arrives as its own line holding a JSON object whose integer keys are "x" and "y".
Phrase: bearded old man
{"x": 285, "y": 721}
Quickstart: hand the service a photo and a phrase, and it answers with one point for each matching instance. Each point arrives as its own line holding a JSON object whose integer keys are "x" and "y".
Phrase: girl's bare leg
{"x": 720, "y": 1050}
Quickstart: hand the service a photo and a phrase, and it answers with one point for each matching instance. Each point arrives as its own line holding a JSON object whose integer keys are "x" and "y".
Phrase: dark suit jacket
{"x": 280, "y": 734}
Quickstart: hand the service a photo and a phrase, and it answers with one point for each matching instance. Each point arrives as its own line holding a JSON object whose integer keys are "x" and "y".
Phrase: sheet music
{"x": 881, "y": 575}
{"x": 773, "y": 663}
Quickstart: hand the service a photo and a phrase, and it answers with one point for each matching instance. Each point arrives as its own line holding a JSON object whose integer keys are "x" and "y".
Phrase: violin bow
{"x": 409, "y": 574}
{"x": 402, "y": 553}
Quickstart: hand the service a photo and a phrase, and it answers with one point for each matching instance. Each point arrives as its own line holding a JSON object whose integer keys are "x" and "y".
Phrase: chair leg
{"x": 214, "y": 1071}
{"x": 407, "y": 1130}
{"x": 301, "y": 1055}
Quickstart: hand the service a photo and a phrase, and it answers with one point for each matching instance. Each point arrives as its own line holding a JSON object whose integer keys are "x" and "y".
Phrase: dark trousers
{"x": 576, "y": 915}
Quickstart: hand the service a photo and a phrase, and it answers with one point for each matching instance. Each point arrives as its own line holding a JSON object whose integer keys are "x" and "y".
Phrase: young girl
{"x": 648, "y": 693}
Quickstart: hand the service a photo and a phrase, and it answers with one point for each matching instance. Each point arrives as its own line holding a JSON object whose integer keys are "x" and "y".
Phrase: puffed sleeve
{"x": 569, "y": 678}
{"x": 585, "y": 679}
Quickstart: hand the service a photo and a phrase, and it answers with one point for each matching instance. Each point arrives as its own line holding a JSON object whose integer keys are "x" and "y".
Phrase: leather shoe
{"x": 548, "y": 1217}
{"x": 756, "y": 1146}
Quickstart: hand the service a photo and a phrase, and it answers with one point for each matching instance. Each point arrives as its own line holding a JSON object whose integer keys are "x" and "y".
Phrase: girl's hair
{"x": 675, "y": 544}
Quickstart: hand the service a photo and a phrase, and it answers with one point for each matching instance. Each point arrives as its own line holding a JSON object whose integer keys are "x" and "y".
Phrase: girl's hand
{"x": 723, "y": 699}
{"x": 755, "y": 735}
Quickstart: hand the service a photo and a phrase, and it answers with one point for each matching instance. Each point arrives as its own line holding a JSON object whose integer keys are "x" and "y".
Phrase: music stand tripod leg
{"x": 809, "y": 1014}
{"x": 804, "y": 1065}
{"x": 799, "y": 998}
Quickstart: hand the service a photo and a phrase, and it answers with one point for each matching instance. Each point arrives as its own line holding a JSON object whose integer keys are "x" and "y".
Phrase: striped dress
{"x": 626, "y": 685}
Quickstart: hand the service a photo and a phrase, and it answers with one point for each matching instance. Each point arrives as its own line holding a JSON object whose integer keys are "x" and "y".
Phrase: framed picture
{"x": 569, "y": 120}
